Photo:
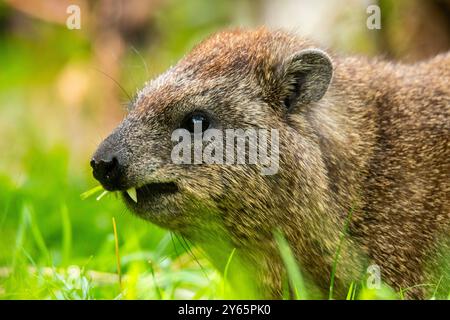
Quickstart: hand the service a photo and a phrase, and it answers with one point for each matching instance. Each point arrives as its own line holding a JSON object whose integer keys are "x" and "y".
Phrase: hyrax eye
{"x": 199, "y": 119}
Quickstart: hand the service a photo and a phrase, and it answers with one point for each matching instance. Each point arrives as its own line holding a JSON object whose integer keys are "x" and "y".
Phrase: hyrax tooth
{"x": 132, "y": 193}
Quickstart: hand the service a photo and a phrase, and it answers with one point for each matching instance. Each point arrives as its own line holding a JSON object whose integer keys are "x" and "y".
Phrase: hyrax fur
{"x": 364, "y": 162}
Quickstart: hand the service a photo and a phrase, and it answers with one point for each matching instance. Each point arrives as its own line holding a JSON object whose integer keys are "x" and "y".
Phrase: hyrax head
{"x": 234, "y": 80}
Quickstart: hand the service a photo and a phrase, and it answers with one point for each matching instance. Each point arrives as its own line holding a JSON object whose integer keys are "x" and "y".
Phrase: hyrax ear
{"x": 305, "y": 77}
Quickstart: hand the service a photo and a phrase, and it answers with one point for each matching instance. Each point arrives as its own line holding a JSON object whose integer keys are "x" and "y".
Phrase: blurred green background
{"x": 62, "y": 91}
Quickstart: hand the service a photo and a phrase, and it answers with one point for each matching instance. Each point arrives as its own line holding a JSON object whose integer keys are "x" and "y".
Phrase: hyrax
{"x": 364, "y": 151}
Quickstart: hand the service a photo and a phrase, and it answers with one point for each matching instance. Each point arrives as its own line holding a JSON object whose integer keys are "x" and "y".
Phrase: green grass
{"x": 59, "y": 246}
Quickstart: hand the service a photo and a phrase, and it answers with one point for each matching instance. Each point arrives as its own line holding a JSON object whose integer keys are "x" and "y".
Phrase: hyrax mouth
{"x": 150, "y": 191}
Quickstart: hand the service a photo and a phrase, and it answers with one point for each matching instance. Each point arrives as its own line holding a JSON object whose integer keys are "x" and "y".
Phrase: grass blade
{"x": 66, "y": 235}
{"x": 338, "y": 252}
{"x": 116, "y": 241}
{"x": 36, "y": 233}
{"x": 227, "y": 266}
{"x": 91, "y": 192}
{"x": 351, "y": 293}
{"x": 293, "y": 271}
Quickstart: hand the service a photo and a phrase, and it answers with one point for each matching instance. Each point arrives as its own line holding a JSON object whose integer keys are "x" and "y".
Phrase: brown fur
{"x": 377, "y": 145}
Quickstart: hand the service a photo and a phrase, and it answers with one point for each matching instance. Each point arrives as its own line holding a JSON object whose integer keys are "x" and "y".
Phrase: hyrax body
{"x": 364, "y": 150}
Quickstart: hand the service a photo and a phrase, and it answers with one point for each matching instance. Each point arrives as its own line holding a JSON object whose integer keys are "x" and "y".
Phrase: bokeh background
{"x": 62, "y": 91}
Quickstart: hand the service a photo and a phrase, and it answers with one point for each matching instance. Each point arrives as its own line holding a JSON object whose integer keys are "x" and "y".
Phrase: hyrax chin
{"x": 363, "y": 149}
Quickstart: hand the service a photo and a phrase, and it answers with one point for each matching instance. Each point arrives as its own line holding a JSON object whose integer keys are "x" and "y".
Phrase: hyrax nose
{"x": 107, "y": 170}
